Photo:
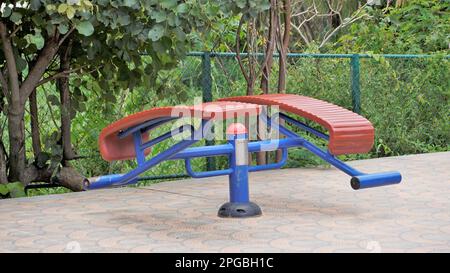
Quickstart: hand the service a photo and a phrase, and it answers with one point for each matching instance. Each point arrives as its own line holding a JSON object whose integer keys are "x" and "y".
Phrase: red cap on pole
{"x": 236, "y": 129}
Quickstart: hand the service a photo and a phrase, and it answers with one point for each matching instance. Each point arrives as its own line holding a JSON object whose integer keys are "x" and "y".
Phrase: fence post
{"x": 207, "y": 97}
{"x": 356, "y": 91}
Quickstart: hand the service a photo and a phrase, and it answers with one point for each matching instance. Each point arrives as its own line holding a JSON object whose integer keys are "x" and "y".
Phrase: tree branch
{"x": 33, "y": 78}
{"x": 4, "y": 84}
{"x": 62, "y": 74}
{"x": 45, "y": 58}
{"x": 15, "y": 31}
{"x": 238, "y": 48}
{"x": 66, "y": 36}
{"x": 34, "y": 123}
{"x": 267, "y": 64}
{"x": 11, "y": 65}
{"x": 331, "y": 34}
{"x": 3, "y": 165}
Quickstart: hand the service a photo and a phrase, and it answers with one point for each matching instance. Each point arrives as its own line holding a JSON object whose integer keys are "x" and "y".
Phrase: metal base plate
{"x": 239, "y": 210}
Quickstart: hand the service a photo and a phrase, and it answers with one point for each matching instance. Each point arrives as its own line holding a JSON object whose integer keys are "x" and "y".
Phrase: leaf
{"x": 16, "y": 17}
{"x": 38, "y": 40}
{"x": 123, "y": 20}
{"x": 62, "y": 8}
{"x": 21, "y": 64}
{"x": 129, "y": 3}
{"x": 182, "y": 8}
{"x": 16, "y": 189}
{"x": 63, "y": 28}
{"x": 241, "y": 3}
{"x": 6, "y": 12}
{"x": 156, "y": 33}
{"x": 168, "y": 4}
{"x": 159, "y": 16}
{"x": 53, "y": 100}
{"x": 70, "y": 12}
{"x": 85, "y": 28}
{"x": 35, "y": 4}
{"x": 4, "y": 189}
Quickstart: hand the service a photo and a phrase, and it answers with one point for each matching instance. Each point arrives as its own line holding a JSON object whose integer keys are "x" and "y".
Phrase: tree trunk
{"x": 67, "y": 177}
{"x": 270, "y": 45}
{"x": 283, "y": 50}
{"x": 16, "y": 110}
{"x": 261, "y": 157}
{"x": 284, "y": 46}
{"x": 70, "y": 178}
{"x": 3, "y": 174}
{"x": 16, "y": 131}
{"x": 34, "y": 122}
{"x": 64, "y": 91}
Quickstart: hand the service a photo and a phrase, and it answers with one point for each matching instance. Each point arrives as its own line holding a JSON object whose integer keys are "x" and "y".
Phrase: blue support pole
{"x": 239, "y": 205}
{"x": 140, "y": 155}
{"x": 239, "y": 165}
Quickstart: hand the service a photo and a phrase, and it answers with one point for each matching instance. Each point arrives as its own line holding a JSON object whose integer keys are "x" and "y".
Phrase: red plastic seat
{"x": 114, "y": 148}
{"x": 349, "y": 132}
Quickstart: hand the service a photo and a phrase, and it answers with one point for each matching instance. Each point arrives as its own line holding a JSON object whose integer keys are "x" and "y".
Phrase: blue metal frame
{"x": 238, "y": 173}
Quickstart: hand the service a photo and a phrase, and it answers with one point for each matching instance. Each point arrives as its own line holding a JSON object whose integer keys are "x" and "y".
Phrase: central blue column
{"x": 239, "y": 205}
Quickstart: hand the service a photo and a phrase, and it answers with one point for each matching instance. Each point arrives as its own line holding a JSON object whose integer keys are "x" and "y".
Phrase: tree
{"x": 44, "y": 42}
{"x": 268, "y": 21}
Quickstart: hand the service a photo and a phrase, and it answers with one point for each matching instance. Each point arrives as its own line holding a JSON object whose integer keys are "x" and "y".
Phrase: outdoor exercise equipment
{"x": 349, "y": 133}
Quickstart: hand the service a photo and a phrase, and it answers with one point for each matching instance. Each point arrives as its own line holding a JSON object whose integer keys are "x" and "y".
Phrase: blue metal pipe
{"x": 238, "y": 184}
{"x": 102, "y": 181}
{"x": 204, "y": 151}
{"x": 146, "y": 126}
{"x": 331, "y": 159}
{"x": 140, "y": 155}
{"x": 375, "y": 180}
{"x": 192, "y": 173}
{"x": 273, "y": 145}
{"x": 303, "y": 126}
{"x": 325, "y": 155}
{"x": 167, "y": 135}
{"x": 277, "y": 165}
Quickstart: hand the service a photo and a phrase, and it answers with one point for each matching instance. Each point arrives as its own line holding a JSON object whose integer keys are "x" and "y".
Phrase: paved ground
{"x": 304, "y": 210}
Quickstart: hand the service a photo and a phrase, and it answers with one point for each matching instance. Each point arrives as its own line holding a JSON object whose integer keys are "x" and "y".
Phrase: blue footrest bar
{"x": 375, "y": 180}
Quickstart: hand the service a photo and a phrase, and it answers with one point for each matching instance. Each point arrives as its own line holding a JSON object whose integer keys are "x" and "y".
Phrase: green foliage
{"x": 420, "y": 26}
{"x": 252, "y": 8}
{"x": 12, "y": 190}
{"x": 110, "y": 36}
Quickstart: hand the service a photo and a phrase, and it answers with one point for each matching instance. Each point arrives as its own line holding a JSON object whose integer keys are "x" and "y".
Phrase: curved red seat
{"x": 349, "y": 132}
{"x": 112, "y": 147}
